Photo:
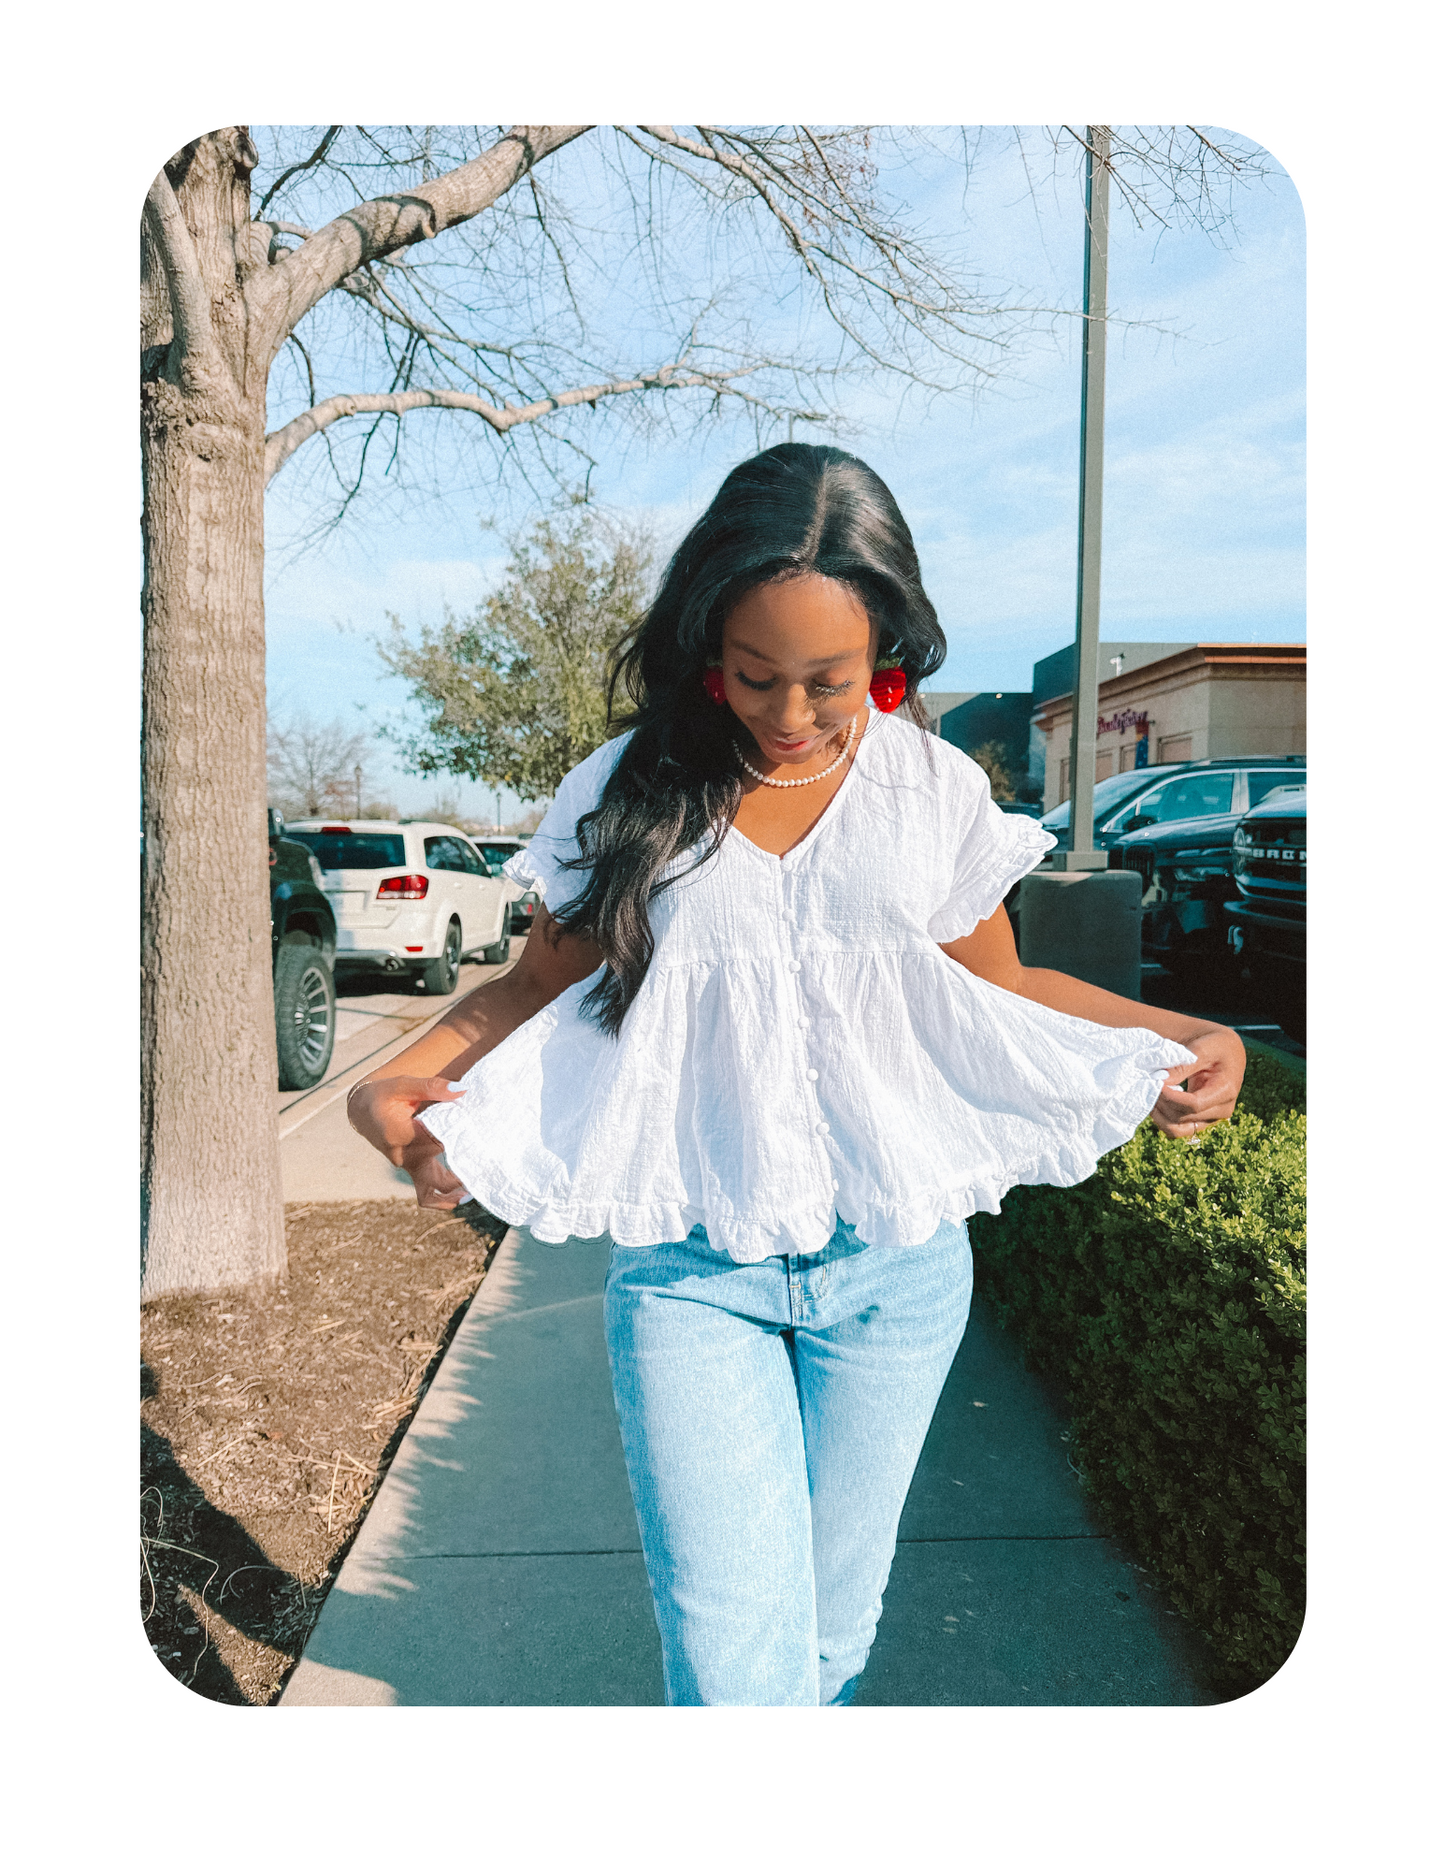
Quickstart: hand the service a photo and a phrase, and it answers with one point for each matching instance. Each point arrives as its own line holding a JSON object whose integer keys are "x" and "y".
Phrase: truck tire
{"x": 500, "y": 950}
{"x": 305, "y": 997}
{"x": 440, "y": 976}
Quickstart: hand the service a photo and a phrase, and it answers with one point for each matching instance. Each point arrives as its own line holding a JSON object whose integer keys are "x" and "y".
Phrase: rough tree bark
{"x": 211, "y": 1164}
{"x": 213, "y": 316}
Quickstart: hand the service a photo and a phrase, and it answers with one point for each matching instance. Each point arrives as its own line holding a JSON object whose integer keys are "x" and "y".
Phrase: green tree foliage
{"x": 515, "y": 695}
{"x": 1168, "y": 1293}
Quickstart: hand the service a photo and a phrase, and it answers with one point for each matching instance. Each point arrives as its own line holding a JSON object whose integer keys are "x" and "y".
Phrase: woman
{"x": 773, "y": 1037}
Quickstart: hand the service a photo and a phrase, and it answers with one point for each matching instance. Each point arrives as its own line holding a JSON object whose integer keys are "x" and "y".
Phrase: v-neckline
{"x": 795, "y": 851}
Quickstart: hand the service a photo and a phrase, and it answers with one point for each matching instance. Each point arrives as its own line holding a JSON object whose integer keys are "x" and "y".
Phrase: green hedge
{"x": 1167, "y": 1293}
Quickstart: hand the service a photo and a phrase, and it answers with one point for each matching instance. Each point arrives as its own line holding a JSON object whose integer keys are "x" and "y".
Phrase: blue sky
{"x": 1204, "y": 493}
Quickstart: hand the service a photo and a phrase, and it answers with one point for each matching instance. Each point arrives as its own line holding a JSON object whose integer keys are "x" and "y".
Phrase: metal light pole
{"x": 1079, "y": 916}
{"x": 1081, "y": 854}
{"x": 358, "y": 792}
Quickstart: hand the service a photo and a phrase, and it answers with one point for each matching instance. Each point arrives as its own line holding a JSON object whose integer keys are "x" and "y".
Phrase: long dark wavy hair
{"x": 791, "y": 510}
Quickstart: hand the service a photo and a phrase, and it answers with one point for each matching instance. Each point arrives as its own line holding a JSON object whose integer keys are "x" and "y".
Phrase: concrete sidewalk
{"x": 500, "y": 1562}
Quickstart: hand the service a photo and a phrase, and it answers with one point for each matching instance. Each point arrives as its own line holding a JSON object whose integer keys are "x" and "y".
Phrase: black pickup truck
{"x": 303, "y": 955}
{"x": 1266, "y": 910}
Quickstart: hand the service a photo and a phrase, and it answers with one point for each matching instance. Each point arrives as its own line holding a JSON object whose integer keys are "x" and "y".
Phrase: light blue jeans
{"x": 772, "y": 1416}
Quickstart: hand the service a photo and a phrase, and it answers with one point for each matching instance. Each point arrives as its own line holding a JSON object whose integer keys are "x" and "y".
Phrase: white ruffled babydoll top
{"x": 801, "y": 1048}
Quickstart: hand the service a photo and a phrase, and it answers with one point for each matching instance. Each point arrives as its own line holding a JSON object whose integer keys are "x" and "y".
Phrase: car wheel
{"x": 440, "y": 976}
{"x": 498, "y": 951}
{"x": 305, "y": 996}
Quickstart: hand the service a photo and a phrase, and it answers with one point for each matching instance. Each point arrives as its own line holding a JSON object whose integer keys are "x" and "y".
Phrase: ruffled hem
{"x": 558, "y": 1215}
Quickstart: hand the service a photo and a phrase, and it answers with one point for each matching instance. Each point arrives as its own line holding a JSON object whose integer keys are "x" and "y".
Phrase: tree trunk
{"x": 210, "y": 1155}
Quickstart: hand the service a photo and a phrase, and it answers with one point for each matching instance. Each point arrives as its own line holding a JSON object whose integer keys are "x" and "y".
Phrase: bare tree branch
{"x": 1150, "y": 172}
{"x": 273, "y": 252}
{"x": 504, "y": 308}
{"x": 306, "y": 359}
{"x": 924, "y": 301}
{"x": 190, "y": 298}
{"x": 317, "y": 155}
{"x": 281, "y": 297}
{"x": 1230, "y": 162}
{"x": 283, "y": 443}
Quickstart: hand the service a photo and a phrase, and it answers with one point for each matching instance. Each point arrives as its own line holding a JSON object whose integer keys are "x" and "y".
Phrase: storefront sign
{"x": 1127, "y": 718}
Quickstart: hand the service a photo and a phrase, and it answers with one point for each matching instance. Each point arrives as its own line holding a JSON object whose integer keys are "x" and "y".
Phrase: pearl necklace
{"x": 763, "y": 779}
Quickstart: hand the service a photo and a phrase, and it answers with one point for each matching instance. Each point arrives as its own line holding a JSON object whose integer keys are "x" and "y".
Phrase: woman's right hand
{"x": 384, "y": 1110}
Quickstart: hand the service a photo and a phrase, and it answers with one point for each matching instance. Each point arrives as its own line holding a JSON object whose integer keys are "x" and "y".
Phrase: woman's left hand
{"x": 1216, "y": 1075}
{"x": 1214, "y": 1083}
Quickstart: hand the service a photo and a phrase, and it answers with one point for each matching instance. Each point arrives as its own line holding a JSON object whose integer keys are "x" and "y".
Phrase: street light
{"x": 1083, "y": 734}
{"x": 358, "y": 792}
{"x": 1079, "y": 917}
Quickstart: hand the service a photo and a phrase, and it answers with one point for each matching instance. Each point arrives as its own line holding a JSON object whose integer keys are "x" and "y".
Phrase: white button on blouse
{"x": 938, "y": 1091}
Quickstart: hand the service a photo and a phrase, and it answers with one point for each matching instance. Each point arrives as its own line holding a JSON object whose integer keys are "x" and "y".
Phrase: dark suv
{"x": 1111, "y": 796}
{"x": 1180, "y": 839}
{"x": 1127, "y": 802}
{"x": 303, "y": 954}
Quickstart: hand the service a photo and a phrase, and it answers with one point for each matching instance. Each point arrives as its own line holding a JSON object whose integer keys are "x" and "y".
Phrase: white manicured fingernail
{"x": 455, "y": 1085}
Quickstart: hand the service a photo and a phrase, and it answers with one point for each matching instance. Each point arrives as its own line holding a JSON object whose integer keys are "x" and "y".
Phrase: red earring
{"x": 712, "y": 681}
{"x": 888, "y": 688}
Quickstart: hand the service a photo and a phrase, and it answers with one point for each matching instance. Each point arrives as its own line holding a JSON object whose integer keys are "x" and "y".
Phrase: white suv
{"x": 409, "y": 897}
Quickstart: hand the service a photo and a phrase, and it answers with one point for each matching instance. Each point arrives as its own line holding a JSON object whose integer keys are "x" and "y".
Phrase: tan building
{"x": 937, "y": 702}
{"x": 1209, "y": 701}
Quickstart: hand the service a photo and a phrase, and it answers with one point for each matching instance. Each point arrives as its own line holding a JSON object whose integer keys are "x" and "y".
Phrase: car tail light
{"x": 401, "y": 889}
{"x": 343, "y": 831}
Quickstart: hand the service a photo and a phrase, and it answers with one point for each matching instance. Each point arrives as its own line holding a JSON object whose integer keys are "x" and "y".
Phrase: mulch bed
{"x": 268, "y": 1419}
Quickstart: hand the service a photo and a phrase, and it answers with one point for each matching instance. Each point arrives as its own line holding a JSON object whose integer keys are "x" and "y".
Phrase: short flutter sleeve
{"x": 543, "y": 864}
{"x": 995, "y": 850}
